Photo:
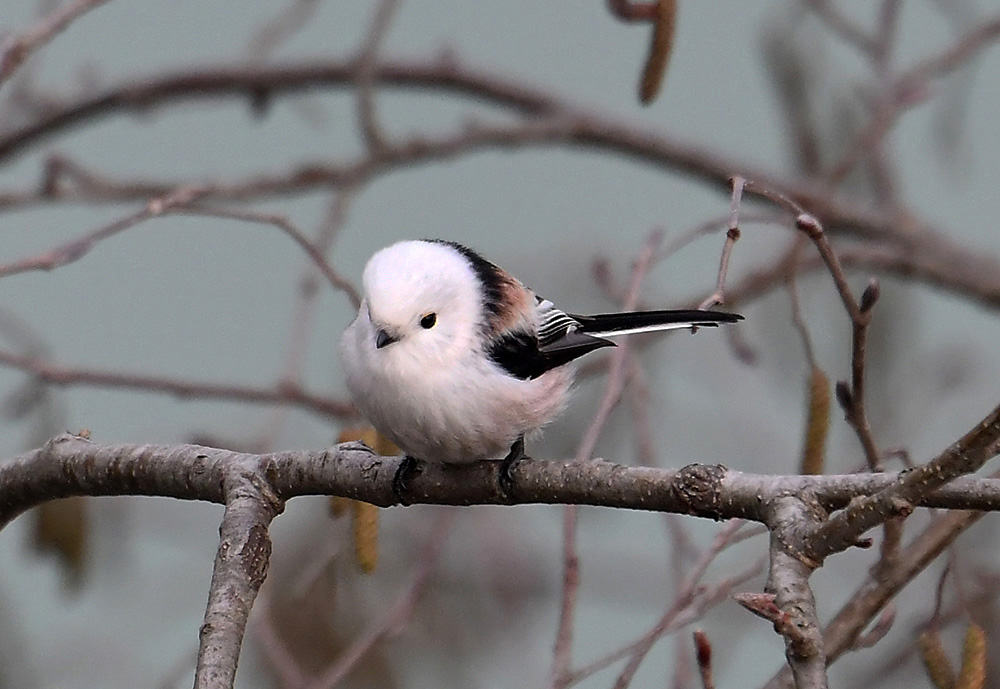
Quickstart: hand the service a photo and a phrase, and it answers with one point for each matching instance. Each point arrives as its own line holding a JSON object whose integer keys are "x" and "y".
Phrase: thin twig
{"x": 732, "y": 236}
{"x": 326, "y": 407}
{"x": 336, "y": 281}
{"x": 17, "y": 48}
{"x": 686, "y": 593}
{"x": 965, "y": 456}
{"x": 303, "y": 319}
{"x": 851, "y": 398}
{"x": 617, "y": 379}
{"x": 841, "y": 25}
{"x": 277, "y": 31}
{"x": 367, "y": 62}
{"x": 401, "y": 611}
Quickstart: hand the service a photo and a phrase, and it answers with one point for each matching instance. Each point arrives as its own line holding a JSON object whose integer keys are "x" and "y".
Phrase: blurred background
{"x": 110, "y": 592}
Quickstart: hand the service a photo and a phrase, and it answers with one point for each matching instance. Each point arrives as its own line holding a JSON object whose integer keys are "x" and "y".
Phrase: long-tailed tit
{"x": 454, "y": 360}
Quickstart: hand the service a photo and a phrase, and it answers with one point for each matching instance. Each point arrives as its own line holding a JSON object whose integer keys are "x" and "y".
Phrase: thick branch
{"x": 68, "y": 466}
{"x": 240, "y": 568}
{"x": 875, "y": 593}
{"x": 788, "y": 580}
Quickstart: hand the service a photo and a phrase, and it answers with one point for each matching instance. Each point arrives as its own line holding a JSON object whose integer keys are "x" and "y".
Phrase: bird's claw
{"x": 505, "y": 478}
{"x": 406, "y": 470}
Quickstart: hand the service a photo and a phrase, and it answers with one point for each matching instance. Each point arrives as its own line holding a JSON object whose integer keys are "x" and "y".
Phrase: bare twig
{"x": 274, "y": 33}
{"x": 396, "y": 616}
{"x": 303, "y": 319}
{"x": 841, "y": 25}
{"x": 617, "y": 379}
{"x": 336, "y": 281}
{"x": 674, "y": 619}
{"x": 366, "y": 64}
{"x": 17, "y": 48}
{"x": 180, "y": 202}
{"x": 184, "y": 389}
{"x": 967, "y": 455}
{"x": 687, "y": 592}
{"x": 872, "y": 595}
{"x": 851, "y": 398}
{"x": 732, "y": 236}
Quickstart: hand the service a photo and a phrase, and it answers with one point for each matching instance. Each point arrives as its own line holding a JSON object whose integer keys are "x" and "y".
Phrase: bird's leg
{"x": 504, "y": 478}
{"x": 407, "y": 469}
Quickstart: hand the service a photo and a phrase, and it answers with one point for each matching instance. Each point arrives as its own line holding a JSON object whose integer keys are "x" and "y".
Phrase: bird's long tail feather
{"x": 613, "y": 324}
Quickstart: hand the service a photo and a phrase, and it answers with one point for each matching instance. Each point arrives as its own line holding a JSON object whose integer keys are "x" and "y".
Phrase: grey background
{"x": 213, "y": 299}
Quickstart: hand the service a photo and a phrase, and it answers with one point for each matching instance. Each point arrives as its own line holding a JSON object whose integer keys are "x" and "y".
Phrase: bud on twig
{"x": 870, "y": 295}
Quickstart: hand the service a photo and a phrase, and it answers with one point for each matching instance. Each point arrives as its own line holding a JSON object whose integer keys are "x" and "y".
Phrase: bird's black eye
{"x": 428, "y": 321}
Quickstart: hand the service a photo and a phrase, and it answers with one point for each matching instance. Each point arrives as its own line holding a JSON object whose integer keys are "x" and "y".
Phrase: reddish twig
{"x": 304, "y": 317}
{"x": 319, "y": 261}
{"x": 841, "y": 25}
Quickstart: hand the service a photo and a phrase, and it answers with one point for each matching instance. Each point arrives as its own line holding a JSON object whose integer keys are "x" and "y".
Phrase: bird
{"x": 454, "y": 360}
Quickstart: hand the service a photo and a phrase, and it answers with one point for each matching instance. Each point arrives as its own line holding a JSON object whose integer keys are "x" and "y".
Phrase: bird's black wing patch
{"x": 520, "y": 355}
{"x": 491, "y": 277}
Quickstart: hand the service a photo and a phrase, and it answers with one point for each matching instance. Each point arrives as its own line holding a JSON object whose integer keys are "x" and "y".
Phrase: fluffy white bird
{"x": 454, "y": 360}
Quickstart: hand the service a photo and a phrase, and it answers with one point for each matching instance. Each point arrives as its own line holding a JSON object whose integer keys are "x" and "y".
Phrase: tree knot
{"x": 698, "y": 488}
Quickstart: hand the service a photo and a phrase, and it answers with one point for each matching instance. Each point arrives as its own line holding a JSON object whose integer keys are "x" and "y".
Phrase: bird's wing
{"x": 553, "y": 324}
{"x": 613, "y": 324}
{"x": 556, "y": 341}
{"x": 560, "y": 337}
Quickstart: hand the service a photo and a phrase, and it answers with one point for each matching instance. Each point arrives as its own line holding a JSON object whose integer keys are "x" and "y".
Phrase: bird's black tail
{"x": 612, "y": 324}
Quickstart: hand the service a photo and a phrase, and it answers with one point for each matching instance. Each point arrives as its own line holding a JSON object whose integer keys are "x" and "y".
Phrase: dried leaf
{"x": 817, "y": 424}
{"x": 364, "y": 515}
{"x": 61, "y": 527}
{"x": 366, "y": 536}
{"x": 973, "y": 672}
{"x": 935, "y": 659}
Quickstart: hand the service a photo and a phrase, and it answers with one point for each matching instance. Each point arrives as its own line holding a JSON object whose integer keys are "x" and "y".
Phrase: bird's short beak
{"x": 382, "y": 338}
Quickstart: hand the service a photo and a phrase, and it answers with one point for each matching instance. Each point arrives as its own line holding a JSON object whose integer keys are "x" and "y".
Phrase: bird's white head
{"x": 424, "y": 304}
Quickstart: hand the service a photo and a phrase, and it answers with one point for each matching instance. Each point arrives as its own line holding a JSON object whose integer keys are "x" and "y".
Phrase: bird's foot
{"x": 505, "y": 479}
{"x": 408, "y": 468}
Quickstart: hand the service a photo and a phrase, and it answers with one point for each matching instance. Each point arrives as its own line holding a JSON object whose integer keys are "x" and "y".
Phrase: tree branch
{"x": 788, "y": 582}
{"x": 240, "y": 568}
{"x": 967, "y": 455}
{"x": 69, "y": 465}
{"x": 184, "y": 389}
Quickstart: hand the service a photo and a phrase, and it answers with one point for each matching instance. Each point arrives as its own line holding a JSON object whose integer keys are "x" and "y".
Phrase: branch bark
{"x": 69, "y": 465}
{"x": 254, "y": 489}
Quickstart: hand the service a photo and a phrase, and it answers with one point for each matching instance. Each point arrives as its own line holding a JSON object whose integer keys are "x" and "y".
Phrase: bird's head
{"x": 424, "y": 304}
